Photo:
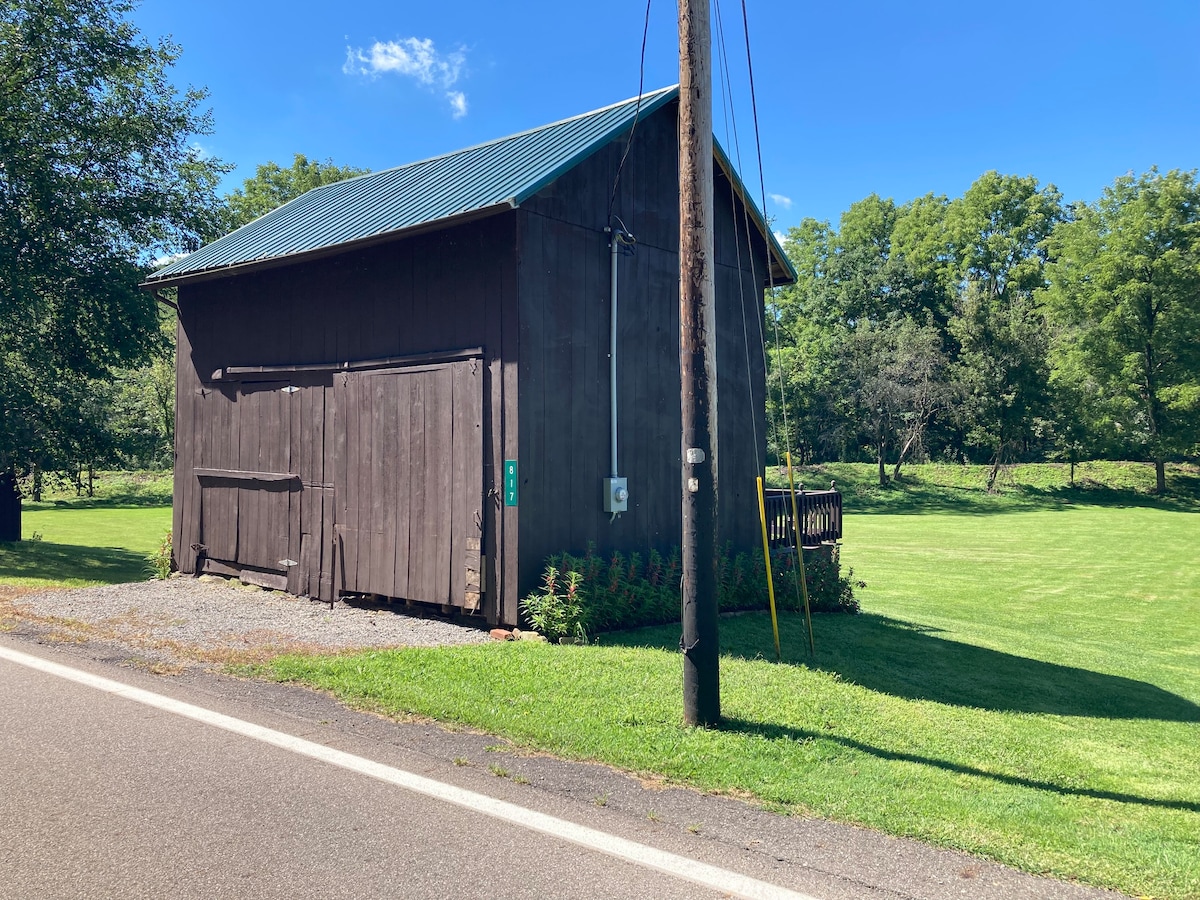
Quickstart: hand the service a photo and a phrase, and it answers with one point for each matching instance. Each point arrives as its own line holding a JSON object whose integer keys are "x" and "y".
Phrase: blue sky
{"x": 853, "y": 97}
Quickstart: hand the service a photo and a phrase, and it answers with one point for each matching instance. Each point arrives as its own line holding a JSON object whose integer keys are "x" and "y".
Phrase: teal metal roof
{"x": 470, "y": 183}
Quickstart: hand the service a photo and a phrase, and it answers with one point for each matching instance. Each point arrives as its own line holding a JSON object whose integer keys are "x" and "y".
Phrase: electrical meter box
{"x": 616, "y": 495}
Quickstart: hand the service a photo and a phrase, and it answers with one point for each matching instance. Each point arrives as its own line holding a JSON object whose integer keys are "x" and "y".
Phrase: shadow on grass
{"x": 915, "y": 498}
{"x": 903, "y": 660}
{"x": 114, "y": 501}
{"x": 68, "y": 562}
{"x": 775, "y": 732}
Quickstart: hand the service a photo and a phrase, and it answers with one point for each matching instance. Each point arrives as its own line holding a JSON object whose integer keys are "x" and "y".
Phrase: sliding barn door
{"x": 249, "y": 493}
{"x": 409, "y": 482}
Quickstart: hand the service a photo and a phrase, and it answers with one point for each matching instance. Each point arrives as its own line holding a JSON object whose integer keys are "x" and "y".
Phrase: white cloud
{"x": 416, "y": 58}
{"x": 781, "y": 237}
{"x": 781, "y": 200}
{"x": 160, "y": 261}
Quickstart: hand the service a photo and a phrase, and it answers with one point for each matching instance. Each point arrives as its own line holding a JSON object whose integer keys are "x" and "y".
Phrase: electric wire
{"x": 801, "y": 578}
{"x": 773, "y": 423}
{"x": 787, "y": 437}
{"x": 637, "y": 112}
{"x": 729, "y": 113}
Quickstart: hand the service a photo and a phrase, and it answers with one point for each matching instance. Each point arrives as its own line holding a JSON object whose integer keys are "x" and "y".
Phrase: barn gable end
{"x": 345, "y": 412}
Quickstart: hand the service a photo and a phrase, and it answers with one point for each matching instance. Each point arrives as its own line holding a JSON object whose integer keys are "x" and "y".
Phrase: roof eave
{"x": 275, "y": 262}
{"x": 782, "y": 272}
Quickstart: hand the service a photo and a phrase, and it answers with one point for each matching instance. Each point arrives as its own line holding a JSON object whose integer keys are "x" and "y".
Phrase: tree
{"x": 1002, "y": 372}
{"x": 1125, "y": 288}
{"x": 98, "y": 177}
{"x": 804, "y": 364}
{"x": 996, "y": 233}
{"x": 272, "y": 186}
{"x": 864, "y": 338}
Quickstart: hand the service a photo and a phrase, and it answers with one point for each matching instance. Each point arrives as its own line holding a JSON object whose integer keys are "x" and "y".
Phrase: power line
{"x": 787, "y": 436}
{"x": 636, "y": 114}
{"x": 729, "y": 113}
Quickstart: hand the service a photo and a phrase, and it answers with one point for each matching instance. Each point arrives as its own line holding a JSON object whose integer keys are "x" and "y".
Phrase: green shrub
{"x": 617, "y": 591}
{"x": 556, "y": 611}
{"x": 160, "y": 562}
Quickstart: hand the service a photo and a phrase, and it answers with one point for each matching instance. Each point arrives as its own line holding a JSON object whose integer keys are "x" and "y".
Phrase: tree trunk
{"x": 37, "y": 483}
{"x": 883, "y": 479}
{"x": 904, "y": 451}
{"x": 995, "y": 471}
{"x": 91, "y": 480}
{"x": 10, "y": 507}
{"x": 1160, "y": 476}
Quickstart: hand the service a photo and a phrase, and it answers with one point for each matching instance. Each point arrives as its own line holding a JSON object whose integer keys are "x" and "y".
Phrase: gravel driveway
{"x": 184, "y": 621}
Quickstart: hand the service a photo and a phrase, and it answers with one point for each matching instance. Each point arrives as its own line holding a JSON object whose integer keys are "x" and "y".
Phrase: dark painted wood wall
{"x": 530, "y": 287}
{"x": 564, "y": 383}
{"x": 441, "y": 291}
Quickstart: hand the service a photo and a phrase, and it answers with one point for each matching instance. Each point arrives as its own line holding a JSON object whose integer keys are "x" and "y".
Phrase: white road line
{"x": 640, "y": 854}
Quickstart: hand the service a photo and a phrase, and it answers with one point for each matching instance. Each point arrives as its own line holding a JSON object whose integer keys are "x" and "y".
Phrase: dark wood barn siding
{"x": 443, "y": 291}
{"x": 564, "y": 386}
{"x": 408, "y": 488}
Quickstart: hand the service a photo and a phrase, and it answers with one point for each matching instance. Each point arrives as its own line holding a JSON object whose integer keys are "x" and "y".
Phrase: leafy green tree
{"x": 1125, "y": 289}
{"x": 1082, "y": 425}
{"x": 1002, "y": 372}
{"x": 807, "y": 362}
{"x": 996, "y": 233}
{"x": 861, "y": 343}
{"x": 921, "y": 241}
{"x": 272, "y": 186}
{"x": 98, "y": 177}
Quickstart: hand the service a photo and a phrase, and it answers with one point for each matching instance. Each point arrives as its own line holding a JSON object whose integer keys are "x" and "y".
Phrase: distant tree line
{"x": 1002, "y": 325}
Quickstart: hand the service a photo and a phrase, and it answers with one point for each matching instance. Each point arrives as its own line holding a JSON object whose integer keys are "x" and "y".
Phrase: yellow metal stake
{"x": 800, "y": 576}
{"x": 762, "y": 516}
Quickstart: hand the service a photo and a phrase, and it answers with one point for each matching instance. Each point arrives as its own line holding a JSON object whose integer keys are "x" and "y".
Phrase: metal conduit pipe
{"x": 616, "y": 491}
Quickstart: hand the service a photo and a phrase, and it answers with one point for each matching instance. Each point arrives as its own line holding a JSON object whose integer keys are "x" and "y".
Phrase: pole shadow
{"x": 778, "y": 732}
{"x": 914, "y": 662}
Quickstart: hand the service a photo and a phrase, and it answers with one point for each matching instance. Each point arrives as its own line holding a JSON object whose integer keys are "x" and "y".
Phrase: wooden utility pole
{"x": 698, "y": 369}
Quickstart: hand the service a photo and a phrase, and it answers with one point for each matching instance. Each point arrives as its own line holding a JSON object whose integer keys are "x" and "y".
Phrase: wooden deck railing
{"x": 820, "y": 516}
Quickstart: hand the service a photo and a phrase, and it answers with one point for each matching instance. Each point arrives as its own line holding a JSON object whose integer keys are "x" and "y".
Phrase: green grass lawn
{"x": 1024, "y": 684}
{"x": 70, "y": 541}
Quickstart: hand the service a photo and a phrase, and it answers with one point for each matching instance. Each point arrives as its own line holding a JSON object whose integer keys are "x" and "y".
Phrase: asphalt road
{"x": 105, "y": 796}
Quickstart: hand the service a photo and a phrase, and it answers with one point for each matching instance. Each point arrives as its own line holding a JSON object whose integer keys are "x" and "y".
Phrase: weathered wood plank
{"x": 367, "y": 495}
{"x": 585, "y": 422}
{"x": 383, "y": 545}
{"x": 387, "y": 409}
{"x": 183, "y": 513}
{"x": 443, "y": 472}
{"x": 460, "y": 487}
{"x": 349, "y": 437}
{"x": 244, "y": 475}
{"x": 402, "y": 478}
{"x": 418, "y": 565}
{"x": 532, "y": 330}
{"x": 256, "y": 373}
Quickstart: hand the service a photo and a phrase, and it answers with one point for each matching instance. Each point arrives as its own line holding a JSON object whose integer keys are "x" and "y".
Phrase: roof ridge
{"x": 474, "y": 181}
{"x": 645, "y": 97}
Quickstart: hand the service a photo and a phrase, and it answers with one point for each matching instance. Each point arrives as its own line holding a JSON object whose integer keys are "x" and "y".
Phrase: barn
{"x": 402, "y": 384}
